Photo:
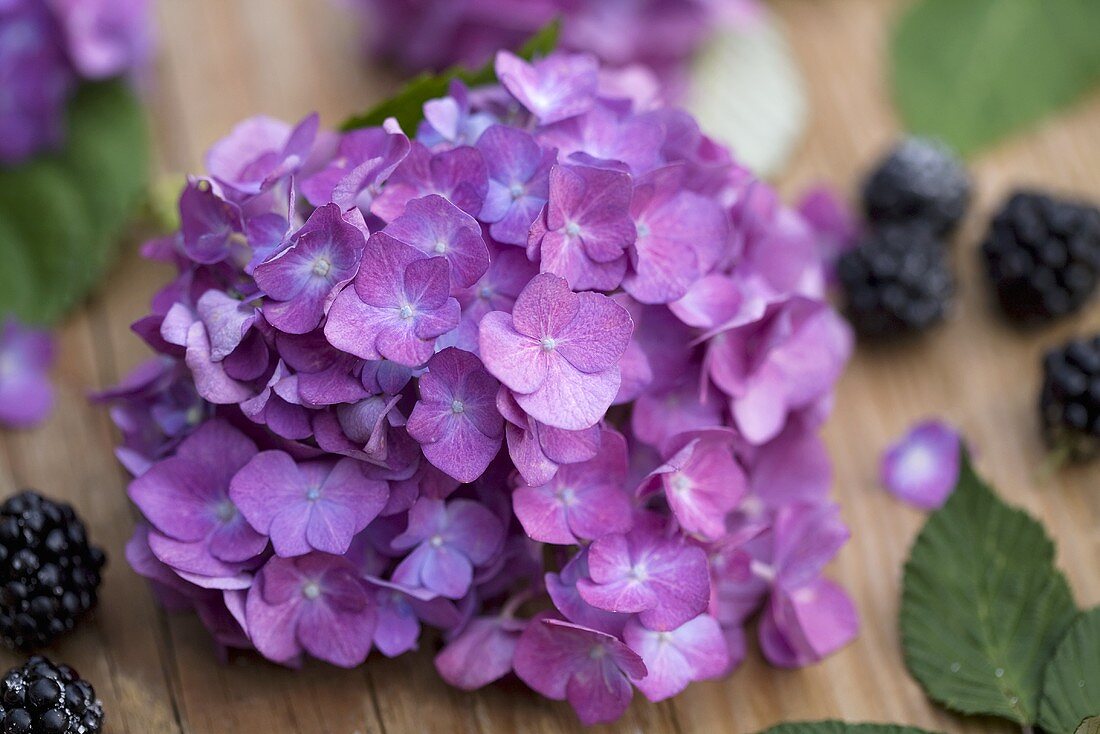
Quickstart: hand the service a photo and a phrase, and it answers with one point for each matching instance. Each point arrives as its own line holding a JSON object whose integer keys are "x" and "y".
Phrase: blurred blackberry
{"x": 1069, "y": 403}
{"x": 896, "y": 281}
{"x": 1043, "y": 256}
{"x": 40, "y": 697}
{"x": 49, "y": 574}
{"x": 920, "y": 180}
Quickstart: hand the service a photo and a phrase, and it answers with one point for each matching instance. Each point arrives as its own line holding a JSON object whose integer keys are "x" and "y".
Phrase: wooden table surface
{"x": 223, "y": 60}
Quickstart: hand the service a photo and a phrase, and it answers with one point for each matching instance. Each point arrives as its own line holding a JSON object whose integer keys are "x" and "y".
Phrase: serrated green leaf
{"x": 841, "y": 727}
{"x": 1071, "y": 682}
{"x": 1090, "y": 725}
{"x": 971, "y": 72}
{"x": 62, "y": 214}
{"x": 983, "y": 606}
{"x": 407, "y": 106}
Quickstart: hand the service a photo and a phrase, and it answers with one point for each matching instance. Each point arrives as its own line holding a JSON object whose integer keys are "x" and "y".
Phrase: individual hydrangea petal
{"x": 833, "y": 222}
{"x": 805, "y": 625}
{"x": 693, "y": 651}
{"x": 321, "y": 257}
{"x": 449, "y": 120}
{"x": 555, "y": 88}
{"x": 583, "y": 501}
{"x": 313, "y": 604}
{"x": 395, "y": 309}
{"x": 609, "y": 136}
{"x": 437, "y": 227}
{"x": 364, "y": 160}
{"x": 663, "y": 579}
{"x": 562, "y": 589}
{"x": 538, "y": 450}
{"x": 212, "y": 228}
{"x": 455, "y": 420}
{"x": 261, "y": 150}
{"x": 400, "y": 611}
{"x": 590, "y": 669}
{"x": 922, "y": 467}
{"x": 480, "y": 654}
{"x": 586, "y": 227}
{"x": 26, "y": 356}
{"x": 312, "y": 506}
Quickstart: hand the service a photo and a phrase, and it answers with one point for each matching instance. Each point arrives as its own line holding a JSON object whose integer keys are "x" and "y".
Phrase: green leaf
{"x": 983, "y": 606}
{"x": 841, "y": 727}
{"x": 972, "y": 71}
{"x": 1071, "y": 683}
{"x": 1090, "y": 725}
{"x": 407, "y": 106}
{"x": 62, "y": 214}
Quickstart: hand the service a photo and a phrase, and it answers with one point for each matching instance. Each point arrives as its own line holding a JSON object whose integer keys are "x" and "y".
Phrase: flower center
{"x": 643, "y": 229}
{"x": 441, "y": 247}
{"x": 549, "y": 344}
{"x": 762, "y": 570}
{"x": 406, "y": 312}
{"x": 322, "y": 267}
{"x": 457, "y": 406}
{"x": 638, "y": 572}
{"x": 436, "y": 541}
{"x": 194, "y": 414}
{"x": 597, "y": 652}
{"x": 567, "y": 495}
{"x": 485, "y": 292}
{"x": 225, "y": 510}
{"x": 572, "y": 229}
{"x": 680, "y": 483}
{"x": 516, "y": 191}
{"x": 313, "y": 494}
{"x": 311, "y": 590}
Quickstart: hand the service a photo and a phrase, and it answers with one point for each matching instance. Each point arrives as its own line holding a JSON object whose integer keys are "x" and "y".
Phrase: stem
{"x": 1026, "y": 729}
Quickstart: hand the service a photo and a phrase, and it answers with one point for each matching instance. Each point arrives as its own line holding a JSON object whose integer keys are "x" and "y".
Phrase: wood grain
{"x": 223, "y": 60}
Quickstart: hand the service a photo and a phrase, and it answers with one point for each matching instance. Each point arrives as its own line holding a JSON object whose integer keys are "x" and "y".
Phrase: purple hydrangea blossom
{"x": 922, "y": 467}
{"x": 518, "y": 185}
{"x": 391, "y": 372}
{"x": 693, "y": 651}
{"x": 313, "y": 603}
{"x": 557, "y": 352}
{"x": 592, "y": 670}
{"x": 583, "y": 501}
{"x": 197, "y": 529}
{"x": 448, "y": 541}
{"x": 664, "y": 580}
{"x": 26, "y": 356}
{"x": 584, "y": 230}
{"x": 396, "y": 309}
{"x": 311, "y": 506}
{"x": 553, "y": 89}
{"x": 456, "y": 420}
{"x": 300, "y": 281}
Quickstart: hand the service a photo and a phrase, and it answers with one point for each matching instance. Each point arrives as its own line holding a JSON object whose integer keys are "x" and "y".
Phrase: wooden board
{"x": 223, "y": 60}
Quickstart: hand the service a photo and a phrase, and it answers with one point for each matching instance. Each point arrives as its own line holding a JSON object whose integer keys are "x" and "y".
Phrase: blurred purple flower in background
{"x": 47, "y": 48}
{"x": 26, "y": 356}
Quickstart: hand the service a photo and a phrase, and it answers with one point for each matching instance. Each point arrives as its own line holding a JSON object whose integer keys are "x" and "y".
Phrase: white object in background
{"x": 747, "y": 91}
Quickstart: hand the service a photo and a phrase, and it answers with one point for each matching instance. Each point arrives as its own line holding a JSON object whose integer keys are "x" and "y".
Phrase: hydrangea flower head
{"x": 553, "y": 350}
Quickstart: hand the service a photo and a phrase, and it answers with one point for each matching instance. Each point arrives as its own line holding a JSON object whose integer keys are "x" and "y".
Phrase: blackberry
{"x": 1043, "y": 256}
{"x": 40, "y": 697}
{"x": 920, "y": 180}
{"x": 49, "y": 574}
{"x": 1069, "y": 403}
{"x": 896, "y": 281}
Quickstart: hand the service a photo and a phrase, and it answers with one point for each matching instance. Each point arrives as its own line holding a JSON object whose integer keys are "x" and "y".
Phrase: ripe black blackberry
{"x": 1043, "y": 256}
{"x": 896, "y": 281}
{"x": 1069, "y": 403}
{"x": 920, "y": 180}
{"x": 49, "y": 574}
{"x": 40, "y": 697}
